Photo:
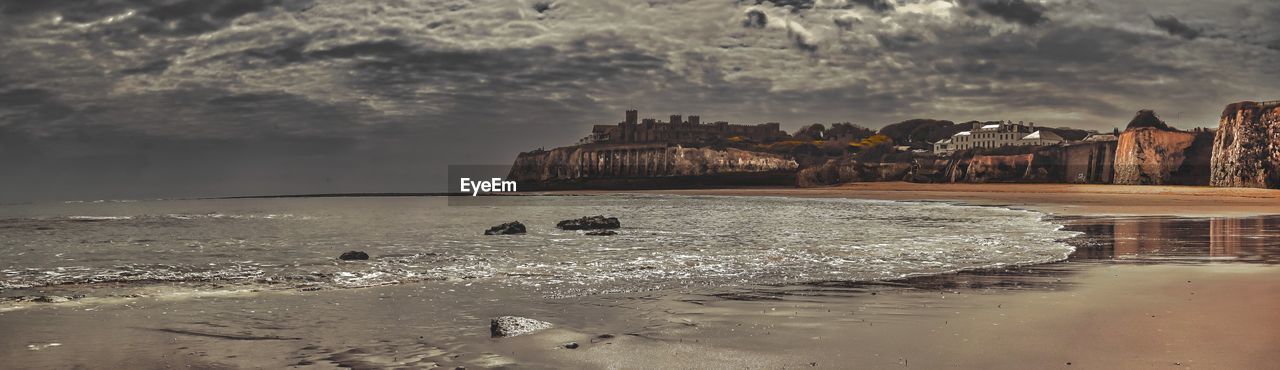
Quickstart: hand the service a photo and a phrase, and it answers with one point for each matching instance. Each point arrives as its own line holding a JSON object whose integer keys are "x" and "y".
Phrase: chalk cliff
{"x": 1076, "y": 163}
{"x": 1151, "y": 153}
{"x": 631, "y": 166}
{"x": 1246, "y": 149}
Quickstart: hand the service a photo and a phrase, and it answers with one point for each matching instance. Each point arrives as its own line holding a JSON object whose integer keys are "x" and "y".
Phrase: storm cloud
{"x": 1175, "y": 27}
{"x": 164, "y": 98}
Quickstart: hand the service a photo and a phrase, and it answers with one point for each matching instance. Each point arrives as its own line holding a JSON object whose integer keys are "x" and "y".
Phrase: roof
{"x": 1100, "y": 137}
{"x": 943, "y": 141}
{"x": 1043, "y": 135}
{"x": 963, "y": 133}
{"x": 990, "y": 127}
{"x": 602, "y": 128}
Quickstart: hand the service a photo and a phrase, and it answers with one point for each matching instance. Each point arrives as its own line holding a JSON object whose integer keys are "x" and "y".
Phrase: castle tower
{"x": 676, "y": 120}
{"x": 633, "y": 116}
{"x": 695, "y": 120}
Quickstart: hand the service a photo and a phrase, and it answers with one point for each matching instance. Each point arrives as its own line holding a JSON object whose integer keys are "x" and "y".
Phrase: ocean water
{"x": 665, "y": 242}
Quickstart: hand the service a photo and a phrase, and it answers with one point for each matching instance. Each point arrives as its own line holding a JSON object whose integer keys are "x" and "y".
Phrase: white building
{"x": 995, "y": 136}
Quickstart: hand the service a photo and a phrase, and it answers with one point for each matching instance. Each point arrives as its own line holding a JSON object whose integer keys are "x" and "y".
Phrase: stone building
{"x": 995, "y": 136}
{"x": 677, "y": 129}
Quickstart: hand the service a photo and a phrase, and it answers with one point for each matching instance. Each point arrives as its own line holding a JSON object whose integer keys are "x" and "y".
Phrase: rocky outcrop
{"x": 846, "y": 170}
{"x": 608, "y": 166}
{"x": 1152, "y": 156}
{"x": 589, "y": 223}
{"x": 510, "y": 326}
{"x": 510, "y": 228}
{"x": 1246, "y": 148}
{"x": 1000, "y": 168}
{"x": 354, "y": 256}
{"x": 1147, "y": 118}
{"x": 1090, "y": 162}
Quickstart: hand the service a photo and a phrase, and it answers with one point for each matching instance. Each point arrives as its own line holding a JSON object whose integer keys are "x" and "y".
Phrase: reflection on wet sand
{"x": 1252, "y": 239}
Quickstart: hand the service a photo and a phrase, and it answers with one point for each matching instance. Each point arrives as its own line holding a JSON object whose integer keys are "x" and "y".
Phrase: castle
{"x": 679, "y": 130}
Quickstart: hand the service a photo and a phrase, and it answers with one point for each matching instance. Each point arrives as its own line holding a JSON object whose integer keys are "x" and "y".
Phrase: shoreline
{"x": 1053, "y": 199}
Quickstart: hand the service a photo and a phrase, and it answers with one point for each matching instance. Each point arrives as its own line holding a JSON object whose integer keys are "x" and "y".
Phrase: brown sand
{"x": 1060, "y": 199}
{"x": 1104, "y": 317}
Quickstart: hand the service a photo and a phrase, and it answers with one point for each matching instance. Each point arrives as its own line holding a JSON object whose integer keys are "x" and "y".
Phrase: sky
{"x": 130, "y": 99}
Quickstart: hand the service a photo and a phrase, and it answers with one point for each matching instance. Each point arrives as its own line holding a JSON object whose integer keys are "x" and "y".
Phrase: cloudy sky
{"x": 163, "y": 98}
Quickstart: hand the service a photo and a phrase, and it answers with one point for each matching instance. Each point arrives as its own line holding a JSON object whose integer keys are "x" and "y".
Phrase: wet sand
{"x": 1140, "y": 292}
{"x": 1058, "y": 199}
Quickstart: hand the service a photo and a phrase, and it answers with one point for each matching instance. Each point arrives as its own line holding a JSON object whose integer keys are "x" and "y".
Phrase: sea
{"x": 666, "y": 242}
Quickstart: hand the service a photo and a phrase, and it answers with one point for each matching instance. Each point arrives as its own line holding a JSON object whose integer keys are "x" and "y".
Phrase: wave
{"x": 666, "y": 242}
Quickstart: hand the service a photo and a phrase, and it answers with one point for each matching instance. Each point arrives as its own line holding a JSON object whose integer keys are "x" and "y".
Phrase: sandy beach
{"x": 1163, "y": 277}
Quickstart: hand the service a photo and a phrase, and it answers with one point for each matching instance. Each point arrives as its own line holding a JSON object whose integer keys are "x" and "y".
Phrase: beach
{"x": 1178, "y": 278}
{"x": 1057, "y": 199}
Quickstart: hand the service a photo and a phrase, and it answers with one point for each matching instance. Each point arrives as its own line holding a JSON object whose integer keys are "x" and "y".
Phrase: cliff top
{"x": 1236, "y": 107}
{"x": 1147, "y": 118}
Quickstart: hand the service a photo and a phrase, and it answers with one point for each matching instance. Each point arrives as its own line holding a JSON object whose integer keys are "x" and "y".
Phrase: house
{"x": 995, "y": 136}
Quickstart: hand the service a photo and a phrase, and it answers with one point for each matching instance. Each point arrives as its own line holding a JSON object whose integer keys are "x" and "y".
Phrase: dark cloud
{"x": 28, "y": 107}
{"x": 151, "y": 16}
{"x": 157, "y": 66}
{"x": 1018, "y": 11}
{"x": 171, "y": 100}
{"x": 1175, "y": 27}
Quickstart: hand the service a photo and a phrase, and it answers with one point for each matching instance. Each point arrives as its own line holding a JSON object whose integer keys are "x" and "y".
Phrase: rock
{"x": 510, "y": 326}
{"x": 1147, "y": 118}
{"x": 601, "y": 233}
{"x": 590, "y": 223}
{"x": 1246, "y": 149}
{"x": 510, "y": 228}
{"x": 353, "y": 256}
{"x": 52, "y": 299}
{"x": 1151, "y": 156}
{"x": 571, "y": 345}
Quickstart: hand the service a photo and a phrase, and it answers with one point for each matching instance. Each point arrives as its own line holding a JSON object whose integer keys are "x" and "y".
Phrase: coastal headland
{"x": 1242, "y": 151}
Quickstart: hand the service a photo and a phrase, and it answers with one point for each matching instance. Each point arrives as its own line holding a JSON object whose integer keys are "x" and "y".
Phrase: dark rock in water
{"x": 354, "y": 255}
{"x": 571, "y": 345}
{"x": 52, "y": 299}
{"x": 510, "y": 326}
{"x": 602, "y": 233}
{"x": 510, "y": 228}
{"x": 590, "y": 223}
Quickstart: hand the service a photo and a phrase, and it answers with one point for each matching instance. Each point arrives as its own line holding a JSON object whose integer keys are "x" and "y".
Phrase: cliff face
{"x": 994, "y": 168}
{"x": 839, "y": 171}
{"x": 1089, "y": 163}
{"x": 1078, "y": 163}
{"x": 1152, "y": 156}
{"x": 648, "y": 166}
{"x": 1246, "y": 149}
